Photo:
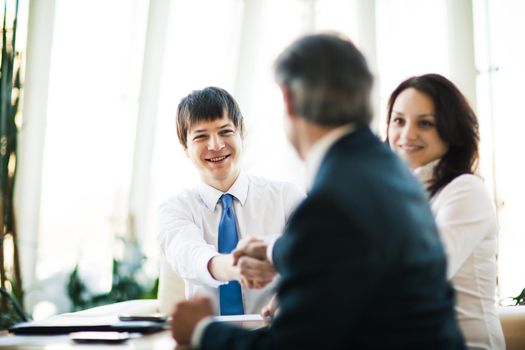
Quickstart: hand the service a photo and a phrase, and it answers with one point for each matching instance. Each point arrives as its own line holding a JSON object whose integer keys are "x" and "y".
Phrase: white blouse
{"x": 467, "y": 223}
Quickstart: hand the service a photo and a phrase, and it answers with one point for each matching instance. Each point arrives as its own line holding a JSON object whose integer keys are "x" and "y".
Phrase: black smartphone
{"x": 151, "y": 318}
{"x": 99, "y": 337}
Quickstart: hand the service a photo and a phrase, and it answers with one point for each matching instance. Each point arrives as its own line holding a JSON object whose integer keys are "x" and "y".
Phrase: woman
{"x": 432, "y": 127}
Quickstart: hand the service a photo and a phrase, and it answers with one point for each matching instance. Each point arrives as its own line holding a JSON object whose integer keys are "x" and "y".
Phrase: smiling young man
{"x": 199, "y": 227}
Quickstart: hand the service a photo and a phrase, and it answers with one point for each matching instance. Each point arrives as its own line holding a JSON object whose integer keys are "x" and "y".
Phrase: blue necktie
{"x": 229, "y": 294}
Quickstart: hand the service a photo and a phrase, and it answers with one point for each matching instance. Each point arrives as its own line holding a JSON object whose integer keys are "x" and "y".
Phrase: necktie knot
{"x": 227, "y": 201}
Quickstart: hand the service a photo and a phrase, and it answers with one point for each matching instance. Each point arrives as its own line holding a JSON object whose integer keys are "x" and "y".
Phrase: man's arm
{"x": 191, "y": 321}
{"x": 254, "y": 255}
{"x": 221, "y": 267}
{"x": 186, "y": 250}
{"x": 321, "y": 262}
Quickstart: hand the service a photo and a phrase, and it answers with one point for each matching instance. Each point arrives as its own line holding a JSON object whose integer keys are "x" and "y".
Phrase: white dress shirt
{"x": 467, "y": 224}
{"x": 188, "y": 230}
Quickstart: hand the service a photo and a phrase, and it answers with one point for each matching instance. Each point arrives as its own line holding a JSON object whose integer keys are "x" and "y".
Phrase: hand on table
{"x": 186, "y": 316}
{"x": 269, "y": 311}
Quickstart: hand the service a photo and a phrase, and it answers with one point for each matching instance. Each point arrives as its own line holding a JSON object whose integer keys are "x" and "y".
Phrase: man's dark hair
{"x": 208, "y": 104}
{"x": 456, "y": 124}
{"x": 328, "y": 79}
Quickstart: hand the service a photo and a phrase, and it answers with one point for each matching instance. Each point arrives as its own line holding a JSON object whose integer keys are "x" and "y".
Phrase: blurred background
{"x": 97, "y": 148}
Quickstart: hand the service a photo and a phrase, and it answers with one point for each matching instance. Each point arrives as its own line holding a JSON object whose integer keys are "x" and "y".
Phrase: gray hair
{"x": 328, "y": 78}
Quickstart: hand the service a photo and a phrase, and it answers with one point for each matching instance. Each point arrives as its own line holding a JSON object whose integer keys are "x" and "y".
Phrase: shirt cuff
{"x": 198, "y": 332}
{"x": 269, "y": 248}
{"x": 203, "y": 272}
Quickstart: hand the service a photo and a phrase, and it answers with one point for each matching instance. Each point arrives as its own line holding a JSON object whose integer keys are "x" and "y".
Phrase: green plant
{"x": 13, "y": 312}
{"x": 10, "y": 92}
{"x": 520, "y": 299}
{"x": 129, "y": 281}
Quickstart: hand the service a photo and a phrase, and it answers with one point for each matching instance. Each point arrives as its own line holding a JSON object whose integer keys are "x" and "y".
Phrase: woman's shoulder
{"x": 469, "y": 187}
{"x": 468, "y": 181}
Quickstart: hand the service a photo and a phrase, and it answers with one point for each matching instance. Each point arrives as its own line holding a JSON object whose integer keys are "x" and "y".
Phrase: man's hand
{"x": 186, "y": 316}
{"x": 255, "y": 273}
{"x": 255, "y": 269}
{"x": 270, "y": 310}
{"x": 250, "y": 246}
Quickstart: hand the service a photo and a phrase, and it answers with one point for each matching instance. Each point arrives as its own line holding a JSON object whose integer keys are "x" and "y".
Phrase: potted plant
{"x": 129, "y": 280}
{"x": 520, "y": 299}
{"x": 11, "y": 294}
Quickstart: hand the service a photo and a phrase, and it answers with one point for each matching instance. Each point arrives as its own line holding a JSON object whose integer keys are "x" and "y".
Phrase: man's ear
{"x": 186, "y": 151}
{"x": 288, "y": 101}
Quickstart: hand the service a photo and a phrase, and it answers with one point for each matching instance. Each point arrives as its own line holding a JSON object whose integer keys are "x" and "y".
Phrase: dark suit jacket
{"x": 361, "y": 263}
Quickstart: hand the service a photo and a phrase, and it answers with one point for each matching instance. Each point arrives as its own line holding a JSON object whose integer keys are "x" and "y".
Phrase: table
{"x": 156, "y": 341}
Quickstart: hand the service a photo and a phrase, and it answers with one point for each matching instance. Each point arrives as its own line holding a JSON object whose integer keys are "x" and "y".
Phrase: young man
{"x": 361, "y": 263}
{"x": 199, "y": 227}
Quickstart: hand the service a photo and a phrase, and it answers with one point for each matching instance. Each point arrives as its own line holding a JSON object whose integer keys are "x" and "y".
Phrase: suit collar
{"x": 357, "y": 141}
{"x": 319, "y": 149}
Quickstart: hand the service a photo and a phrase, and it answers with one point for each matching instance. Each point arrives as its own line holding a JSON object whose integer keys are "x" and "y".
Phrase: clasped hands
{"x": 255, "y": 270}
{"x": 252, "y": 269}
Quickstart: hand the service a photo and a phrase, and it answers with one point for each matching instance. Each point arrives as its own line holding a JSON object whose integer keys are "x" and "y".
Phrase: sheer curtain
{"x": 90, "y": 129}
{"x": 500, "y": 57}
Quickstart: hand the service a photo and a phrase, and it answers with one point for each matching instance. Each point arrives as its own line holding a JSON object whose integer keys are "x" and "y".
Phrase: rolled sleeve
{"x": 183, "y": 244}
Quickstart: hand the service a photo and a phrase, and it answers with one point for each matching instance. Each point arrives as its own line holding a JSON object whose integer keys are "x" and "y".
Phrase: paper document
{"x": 238, "y": 318}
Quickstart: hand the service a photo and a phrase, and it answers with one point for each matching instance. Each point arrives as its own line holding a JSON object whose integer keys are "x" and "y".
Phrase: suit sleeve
{"x": 324, "y": 286}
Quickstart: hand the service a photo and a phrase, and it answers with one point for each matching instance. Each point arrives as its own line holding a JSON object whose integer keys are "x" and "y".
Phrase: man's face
{"x": 215, "y": 148}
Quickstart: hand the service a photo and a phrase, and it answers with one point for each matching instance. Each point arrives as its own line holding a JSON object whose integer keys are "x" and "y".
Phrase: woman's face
{"x": 412, "y": 131}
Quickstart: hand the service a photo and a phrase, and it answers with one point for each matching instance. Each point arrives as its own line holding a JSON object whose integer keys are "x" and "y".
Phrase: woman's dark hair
{"x": 456, "y": 124}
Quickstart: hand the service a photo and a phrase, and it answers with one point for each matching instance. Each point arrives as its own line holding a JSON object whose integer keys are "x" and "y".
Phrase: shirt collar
{"x": 320, "y": 148}
{"x": 425, "y": 173}
{"x": 210, "y": 195}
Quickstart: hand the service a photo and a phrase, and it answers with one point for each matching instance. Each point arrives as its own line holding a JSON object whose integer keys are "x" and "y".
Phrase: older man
{"x": 361, "y": 263}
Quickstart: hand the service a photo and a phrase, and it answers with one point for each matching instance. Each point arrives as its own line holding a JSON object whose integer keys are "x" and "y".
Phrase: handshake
{"x": 248, "y": 264}
{"x": 251, "y": 263}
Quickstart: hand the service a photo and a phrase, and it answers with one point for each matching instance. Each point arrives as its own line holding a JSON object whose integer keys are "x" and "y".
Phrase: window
{"x": 96, "y": 69}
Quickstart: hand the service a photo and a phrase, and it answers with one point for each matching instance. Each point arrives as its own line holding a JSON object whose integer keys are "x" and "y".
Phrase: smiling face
{"x": 215, "y": 148}
{"x": 412, "y": 131}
